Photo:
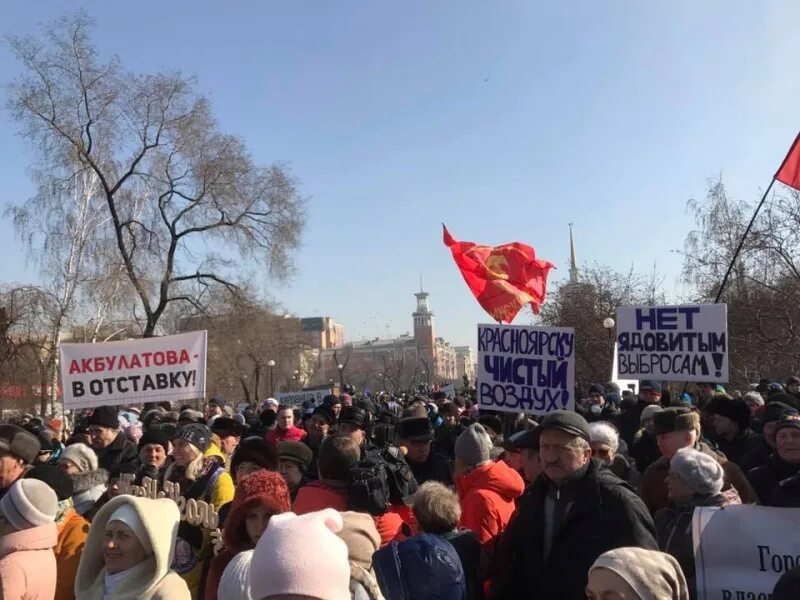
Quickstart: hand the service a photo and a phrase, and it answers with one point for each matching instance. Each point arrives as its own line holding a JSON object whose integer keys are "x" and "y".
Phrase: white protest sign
{"x": 526, "y": 369}
{"x": 448, "y": 390}
{"x": 624, "y": 384}
{"x": 134, "y": 371}
{"x": 742, "y": 551}
{"x": 677, "y": 343}
{"x": 297, "y": 398}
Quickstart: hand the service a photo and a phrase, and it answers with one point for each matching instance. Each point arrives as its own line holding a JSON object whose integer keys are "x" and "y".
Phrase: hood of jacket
{"x": 89, "y": 479}
{"x": 43, "y": 537}
{"x": 497, "y": 477}
{"x": 160, "y": 518}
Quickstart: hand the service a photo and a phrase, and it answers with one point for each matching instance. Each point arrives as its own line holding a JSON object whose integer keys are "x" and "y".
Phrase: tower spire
{"x": 573, "y": 261}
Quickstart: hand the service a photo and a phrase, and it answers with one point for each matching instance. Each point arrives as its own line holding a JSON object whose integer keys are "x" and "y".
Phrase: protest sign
{"x": 526, "y": 369}
{"x": 297, "y": 398}
{"x": 624, "y": 384}
{"x": 742, "y": 551}
{"x": 678, "y": 343}
{"x": 134, "y": 371}
{"x": 449, "y": 390}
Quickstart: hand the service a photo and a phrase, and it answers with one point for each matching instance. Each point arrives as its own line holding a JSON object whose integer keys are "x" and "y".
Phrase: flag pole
{"x": 741, "y": 241}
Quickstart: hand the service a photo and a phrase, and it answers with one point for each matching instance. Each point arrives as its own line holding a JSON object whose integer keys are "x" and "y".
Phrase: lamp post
{"x": 608, "y": 325}
{"x": 296, "y": 376}
{"x": 271, "y": 365}
{"x": 341, "y": 376}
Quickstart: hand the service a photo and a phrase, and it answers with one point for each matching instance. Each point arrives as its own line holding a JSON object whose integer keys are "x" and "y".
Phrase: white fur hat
{"x": 699, "y": 471}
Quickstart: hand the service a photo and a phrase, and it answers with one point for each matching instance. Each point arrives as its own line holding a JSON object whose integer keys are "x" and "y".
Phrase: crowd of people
{"x": 407, "y": 496}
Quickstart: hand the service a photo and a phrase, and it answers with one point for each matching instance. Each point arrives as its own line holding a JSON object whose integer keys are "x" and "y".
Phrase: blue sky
{"x": 505, "y": 120}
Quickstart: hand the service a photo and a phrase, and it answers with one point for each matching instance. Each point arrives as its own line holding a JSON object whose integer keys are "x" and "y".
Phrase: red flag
{"x": 789, "y": 173}
{"x": 502, "y": 278}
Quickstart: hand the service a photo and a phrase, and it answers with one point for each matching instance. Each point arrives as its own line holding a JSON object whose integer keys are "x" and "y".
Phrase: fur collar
{"x": 89, "y": 479}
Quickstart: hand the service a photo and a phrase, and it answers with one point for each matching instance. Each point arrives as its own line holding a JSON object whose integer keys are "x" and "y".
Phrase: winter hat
{"x": 734, "y": 409}
{"x": 105, "y": 416}
{"x": 56, "y": 478}
{"x": 650, "y": 386}
{"x": 653, "y": 575}
{"x": 255, "y": 450}
{"x": 676, "y": 418}
{"x": 155, "y": 436}
{"x": 788, "y": 421}
{"x": 649, "y": 412}
{"x": 191, "y": 416}
{"x": 29, "y": 503}
{"x": 493, "y": 423}
{"x": 262, "y": 488}
{"x": 775, "y": 410}
{"x": 218, "y": 401}
{"x": 297, "y": 452}
{"x": 787, "y": 399}
{"x": 361, "y": 537}
{"x": 19, "y": 442}
{"x": 283, "y": 563}
{"x": 127, "y": 514}
{"x": 225, "y": 426}
{"x": 197, "y": 435}
{"x": 597, "y": 388}
{"x": 699, "y": 471}
{"x": 474, "y": 446}
{"x": 235, "y": 581}
{"x": 567, "y": 421}
{"x": 325, "y": 412}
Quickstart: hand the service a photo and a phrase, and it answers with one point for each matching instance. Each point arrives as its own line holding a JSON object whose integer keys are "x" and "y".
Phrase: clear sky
{"x": 506, "y": 120}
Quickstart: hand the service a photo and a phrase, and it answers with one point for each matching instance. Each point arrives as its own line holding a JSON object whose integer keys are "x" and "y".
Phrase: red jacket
{"x": 488, "y": 495}
{"x": 293, "y": 434}
{"x": 318, "y": 495}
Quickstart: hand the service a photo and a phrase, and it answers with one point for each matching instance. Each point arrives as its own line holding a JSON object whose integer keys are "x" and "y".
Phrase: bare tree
{"x": 180, "y": 197}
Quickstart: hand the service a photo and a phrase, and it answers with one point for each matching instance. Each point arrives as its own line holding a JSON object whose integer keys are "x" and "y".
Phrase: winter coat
{"x": 607, "y": 413}
{"x": 293, "y": 434}
{"x": 654, "y": 481}
{"x": 629, "y": 420}
{"x": 758, "y": 455}
{"x": 119, "y": 452}
{"x": 320, "y": 494}
{"x": 151, "y": 579}
{"x": 435, "y": 468}
{"x": 674, "y": 531}
{"x": 644, "y": 450}
{"x": 27, "y": 564}
{"x": 488, "y": 494}
{"x": 72, "y": 533}
{"x": 602, "y": 513}
{"x": 623, "y": 469}
{"x": 741, "y": 446}
{"x": 775, "y": 482}
{"x": 87, "y": 489}
{"x": 468, "y": 549}
{"x": 391, "y": 527}
{"x": 444, "y": 439}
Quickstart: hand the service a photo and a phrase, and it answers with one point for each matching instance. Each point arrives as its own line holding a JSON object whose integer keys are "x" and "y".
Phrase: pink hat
{"x": 303, "y": 556}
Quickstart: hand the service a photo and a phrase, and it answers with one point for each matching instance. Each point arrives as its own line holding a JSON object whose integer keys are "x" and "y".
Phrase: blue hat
{"x": 646, "y": 384}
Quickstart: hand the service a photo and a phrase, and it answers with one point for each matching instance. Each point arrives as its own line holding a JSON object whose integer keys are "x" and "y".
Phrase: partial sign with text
{"x": 171, "y": 368}
{"x": 526, "y": 369}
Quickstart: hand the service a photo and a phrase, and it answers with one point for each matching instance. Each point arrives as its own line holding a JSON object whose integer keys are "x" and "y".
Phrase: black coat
{"x": 741, "y": 446}
{"x": 606, "y": 514}
{"x": 777, "y": 483}
{"x": 119, "y": 452}
{"x": 629, "y": 421}
{"x": 644, "y": 450}
{"x": 469, "y": 551}
{"x": 436, "y": 468}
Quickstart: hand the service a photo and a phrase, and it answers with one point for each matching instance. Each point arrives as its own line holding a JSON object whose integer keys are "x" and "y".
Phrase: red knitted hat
{"x": 262, "y": 488}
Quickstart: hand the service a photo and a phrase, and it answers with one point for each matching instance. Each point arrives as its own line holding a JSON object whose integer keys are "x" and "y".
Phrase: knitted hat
{"x": 361, "y": 537}
{"x": 650, "y": 386}
{"x": 257, "y": 451}
{"x": 105, "y": 416}
{"x": 474, "y": 446}
{"x": 19, "y": 442}
{"x": 155, "y": 436}
{"x": 699, "y": 471}
{"x": 653, "y": 575}
{"x": 788, "y": 421}
{"x": 775, "y": 410}
{"x": 262, "y": 488}
{"x": 734, "y": 409}
{"x": 597, "y": 388}
{"x": 197, "y": 435}
{"x": 235, "y": 581}
{"x": 82, "y": 456}
{"x": 296, "y": 452}
{"x": 284, "y": 563}
{"x": 788, "y": 399}
{"x": 59, "y": 481}
{"x": 649, "y": 412}
{"x": 676, "y": 418}
{"x": 127, "y": 514}
{"x": 29, "y": 503}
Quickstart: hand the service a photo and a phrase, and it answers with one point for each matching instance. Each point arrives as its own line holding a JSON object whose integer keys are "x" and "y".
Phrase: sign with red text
{"x": 171, "y": 368}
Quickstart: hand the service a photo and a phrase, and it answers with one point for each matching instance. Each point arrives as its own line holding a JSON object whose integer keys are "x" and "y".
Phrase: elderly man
{"x": 108, "y": 441}
{"x": 570, "y": 515}
{"x": 18, "y": 449}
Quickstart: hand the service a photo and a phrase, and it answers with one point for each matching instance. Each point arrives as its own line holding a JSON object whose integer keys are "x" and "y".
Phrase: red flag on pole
{"x": 503, "y": 278}
{"x": 789, "y": 172}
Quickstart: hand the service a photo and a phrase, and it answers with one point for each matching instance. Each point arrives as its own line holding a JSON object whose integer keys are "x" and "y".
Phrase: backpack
{"x": 368, "y": 486}
{"x": 402, "y": 482}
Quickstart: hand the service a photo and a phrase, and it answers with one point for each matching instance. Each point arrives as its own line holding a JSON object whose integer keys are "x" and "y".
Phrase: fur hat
{"x": 676, "y": 418}
{"x": 415, "y": 429}
{"x": 82, "y": 456}
{"x": 257, "y": 451}
{"x": 699, "y": 471}
{"x": 734, "y": 409}
{"x": 361, "y": 537}
{"x": 105, "y": 416}
{"x": 302, "y": 556}
{"x": 29, "y": 503}
{"x": 649, "y": 412}
{"x": 58, "y": 480}
{"x": 19, "y": 442}
{"x": 474, "y": 446}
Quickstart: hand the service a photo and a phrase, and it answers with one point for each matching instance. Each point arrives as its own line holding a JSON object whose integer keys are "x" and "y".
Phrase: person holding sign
{"x": 569, "y": 516}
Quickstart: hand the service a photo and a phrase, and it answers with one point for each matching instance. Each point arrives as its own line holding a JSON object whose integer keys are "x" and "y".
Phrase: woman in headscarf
{"x": 636, "y": 574}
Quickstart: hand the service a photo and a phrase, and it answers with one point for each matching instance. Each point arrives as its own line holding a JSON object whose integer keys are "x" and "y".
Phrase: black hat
{"x": 324, "y": 412}
{"x": 330, "y": 400}
{"x": 155, "y": 436}
{"x": 18, "y": 442}
{"x": 45, "y": 441}
{"x": 197, "y": 435}
{"x": 675, "y": 418}
{"x": 788, "y": 399}
{"x": 567, "y": 421}
{"x": 105, "y": 416}
{"x": 492, "y": 422}
{"x": 355, "y": 416}
{"x": 527, "y": 439}
{"x": 218, "y": 401}
{"x": 415, "y": 429}
{"x": 58, "y": 480}
{"x": 255, "y": 450}
{"x": 775, "y": 410}
{"x": 296, "y": 452}
{"x": 793, "y": 379}
{"x": 733, "y": 408}
{"x": 788, "y": 421}
{"x": 225, "y": 426}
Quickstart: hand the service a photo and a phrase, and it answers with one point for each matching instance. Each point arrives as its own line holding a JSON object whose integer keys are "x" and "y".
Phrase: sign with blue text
{"x": 526, "y": 369}
{"x": 676, "y": 343}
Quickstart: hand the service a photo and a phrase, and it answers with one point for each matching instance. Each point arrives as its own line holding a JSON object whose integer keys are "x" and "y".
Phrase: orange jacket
{"x": 318, "y": 495}
{"x": 72, "y": 533}
{"x": 488, "y": 495}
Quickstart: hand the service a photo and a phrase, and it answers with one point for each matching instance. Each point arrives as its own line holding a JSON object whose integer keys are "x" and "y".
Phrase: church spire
{"x": 573, "y": 261}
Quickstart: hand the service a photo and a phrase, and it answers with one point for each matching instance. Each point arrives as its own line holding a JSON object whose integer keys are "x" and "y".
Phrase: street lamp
{"x": 271, "y": 365}
{"x": 608, "y": 324}
{"x": 341, "y": 376}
